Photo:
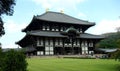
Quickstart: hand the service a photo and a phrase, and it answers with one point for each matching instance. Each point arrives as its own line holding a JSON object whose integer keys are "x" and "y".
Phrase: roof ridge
{"x": 92, "y": 34}
{"x": 77, "y": 18}
{"x": 48, "y": 12}
{"x": 68, "y": 16}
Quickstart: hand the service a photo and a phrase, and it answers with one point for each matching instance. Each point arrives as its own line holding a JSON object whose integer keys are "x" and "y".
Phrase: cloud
{"x": 13, "y": 27}
{"x": 82, "y": 16}
{"x": 105, "y": 26}
{"x": 12, "y": 33}
{"x": 9, "y": 45}
{"x": 59, "y": 4}
{"x": 67, "y": 6}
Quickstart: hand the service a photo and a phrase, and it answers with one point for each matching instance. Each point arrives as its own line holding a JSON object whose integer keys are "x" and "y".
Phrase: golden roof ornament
{"x": 47, "y": 9}
{"x": 61, "y": 11}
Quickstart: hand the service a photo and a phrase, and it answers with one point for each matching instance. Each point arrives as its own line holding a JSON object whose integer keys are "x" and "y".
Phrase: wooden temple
{"x": 54, "y": 33}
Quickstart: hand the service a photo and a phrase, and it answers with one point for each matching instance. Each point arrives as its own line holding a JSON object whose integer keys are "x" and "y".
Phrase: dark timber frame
{"x": 55, "y": 33}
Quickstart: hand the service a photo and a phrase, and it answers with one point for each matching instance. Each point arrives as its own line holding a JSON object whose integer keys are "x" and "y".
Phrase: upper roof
{"x": 61, "y": 17}
{"x": 56, "y": 17}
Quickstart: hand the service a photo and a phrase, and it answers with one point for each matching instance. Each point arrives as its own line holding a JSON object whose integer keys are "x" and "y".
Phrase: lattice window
{"x": 43, "y": 27}
{"x": 91, "y": 44}
{"x": 48, "y": 28}
{"x": 47, "y": 42}
{"x": 80, "y": 30}
{"x": 85, "y": 43}
{"x": 78, "y": 42}
{"x": 56, "y": 41}
{"x": 46, "y": 48}
{"x": 82, "y": 44}
{"x": 61, "y": 29}
{"x": 60, "y": 41}
{"x": 39, "y": 41}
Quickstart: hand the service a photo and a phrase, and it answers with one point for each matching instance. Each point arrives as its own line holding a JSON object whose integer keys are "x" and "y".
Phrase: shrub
{"x": 14, "y": 61}
{"x": 1, "y": 59}
{"x": 116, "y": 55}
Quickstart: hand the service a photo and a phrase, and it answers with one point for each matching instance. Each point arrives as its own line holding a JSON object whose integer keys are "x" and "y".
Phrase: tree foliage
{"x": 14, "y": 61}
{"x": 2, "y": 32}
{"x": 111, "y": 41}
{"x": 118, "y": 42}
{"x": 1, "y": 59}
{"x": 116, "y": 55}
{"x": 6, "y": 7}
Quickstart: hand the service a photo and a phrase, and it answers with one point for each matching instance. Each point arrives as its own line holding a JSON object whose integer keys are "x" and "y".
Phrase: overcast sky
{"x": 105, "y": 13}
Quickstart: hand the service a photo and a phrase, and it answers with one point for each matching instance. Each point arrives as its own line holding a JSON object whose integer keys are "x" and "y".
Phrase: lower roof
{"x": 30, "y": 36}
{"x": 58, "y": 34}
{"x": 107, "y": 50}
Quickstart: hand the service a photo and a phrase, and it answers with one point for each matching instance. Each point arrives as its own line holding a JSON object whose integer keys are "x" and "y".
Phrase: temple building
{"x": 54, "y": 33}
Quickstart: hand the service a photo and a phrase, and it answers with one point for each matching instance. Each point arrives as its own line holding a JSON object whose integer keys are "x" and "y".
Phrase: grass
{"x": 60, "y": 64}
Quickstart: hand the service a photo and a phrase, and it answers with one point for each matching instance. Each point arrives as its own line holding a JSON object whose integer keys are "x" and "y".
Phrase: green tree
{"x": 6, "y": 7}
{"x": 118, "y": 43}
{"x": 14, "y": 61}
{"x": 110, "y": 41}
{"x": 1, "y": 58}
{"x": 2, "y": 32}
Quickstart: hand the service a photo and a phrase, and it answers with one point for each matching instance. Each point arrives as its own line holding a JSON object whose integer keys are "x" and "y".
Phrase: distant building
{"x": 54, "y": 33}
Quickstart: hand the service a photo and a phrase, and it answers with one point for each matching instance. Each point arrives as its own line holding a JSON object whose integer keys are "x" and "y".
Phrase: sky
{"x": 105, "y": 13}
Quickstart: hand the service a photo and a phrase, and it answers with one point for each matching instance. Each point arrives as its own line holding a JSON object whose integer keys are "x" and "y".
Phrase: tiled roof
{"x": 29, "y": 36}
{"x": 107, "y": 50}
{"x": 58, "y": 34}
{"x": 63, "y": 18}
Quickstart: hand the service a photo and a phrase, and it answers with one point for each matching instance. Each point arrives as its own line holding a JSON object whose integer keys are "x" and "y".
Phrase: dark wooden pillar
{"x": 63, "y": 42}
{"x": 72, "y": 48}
